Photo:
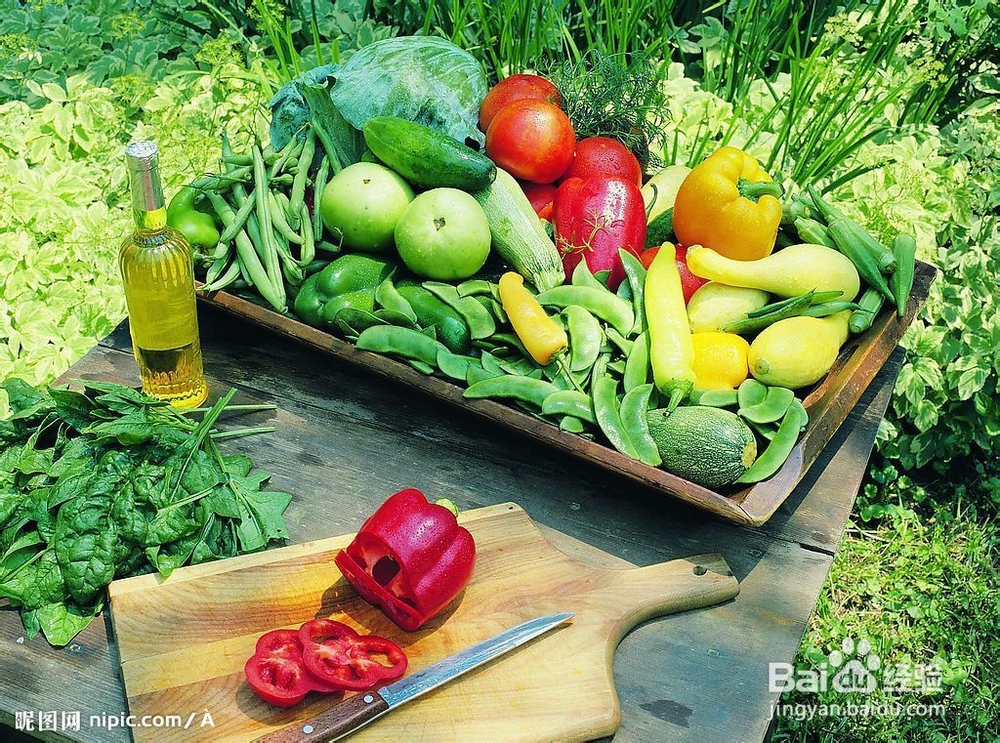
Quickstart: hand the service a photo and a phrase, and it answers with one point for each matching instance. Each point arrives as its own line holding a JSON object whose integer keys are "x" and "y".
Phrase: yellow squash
{"x": 797, "y": 351}
{"x": 789, "y": 272}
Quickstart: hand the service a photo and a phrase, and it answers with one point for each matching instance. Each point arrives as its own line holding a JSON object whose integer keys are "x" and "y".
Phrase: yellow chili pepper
{"x": 730, "y": 204}
{"x": 541, "y": 335}
{"x": 671, "y": 352}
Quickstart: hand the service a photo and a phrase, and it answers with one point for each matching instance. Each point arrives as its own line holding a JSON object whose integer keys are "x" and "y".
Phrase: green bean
{"x": 633, "y": 417}
{"x": 289, "y": 152}
{"x": 388, "y": 296}
{"x": 225, "y": 279}
{"x": 604, "y": 389}
{"x": 570, "y": 402}
{"x": 299, "y": 183}
{"x": 635, "y": 272}
{"x": 583, "y": 277}
{"x": 249, "y": 261}
{"x": 319, "y": 184}
{"x": 637, "y": 363}
{"x": 242, "y": 214}
{"x": 777, "y": 450}
{"x": 264, "y": 215}
{"x": 308, "y": 250}
{"x": 328, "y": 147}
{"x": 904, "y": 248}
{"x": 772, "y": 408}
{"x": 454, "y": 365}
{"x": 477, "y": 317}
{"x": 219, "y": 264}
{"x": 751, "y": 392}
{"x": 278, "y": 221}
{"x": 585, "y": 337}
{"x": 398, "y": 341}
{"x": 526, "y": 389}
{"x": 600, "y": 302}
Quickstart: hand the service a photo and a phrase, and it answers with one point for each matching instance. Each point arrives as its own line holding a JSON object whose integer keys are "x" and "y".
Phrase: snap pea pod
{"x": 772, "y": 408}
{"x": 522, "y": 388}
{"x": 388, "y": 296}
{"x": 583, "y": 277}
{"x": 455, "y": 365}
{"x": 493, "y": 306}
{"x": 297, "y": 199}
{"x": 624, "y": 291}
{"x": 570, "y": 402}
{"x": 585, "y": 337}
{"x": 635, "y": 273}
{"x": 633, "y": 417}
{"x": 399, "y": 341}
{"x": 715, "y": 398}
{"x": 617, "y": 366}
{"x": 352, "y": 321}
{"x": 518, "y": 366}
{"x": 476, "y": 287}
{"x": 637, "y": 363}
{"x": 624, "y": 344}
{"x": 476, "y": 373}
{"x": 490, "y": 363}
{"x": 510, "y": 340}
{"x": 571, "y": 424}
{"x": 477, "y": 317}
{"x": 604, "y": 389}
{"x": 600, "y": 302}
{"x": 777, "y": 450}
{"x": 904, "y": 248}
{"x": 764, "y": 430}
{"x": 420, "y": 366}
{"x": 750, "y": 393}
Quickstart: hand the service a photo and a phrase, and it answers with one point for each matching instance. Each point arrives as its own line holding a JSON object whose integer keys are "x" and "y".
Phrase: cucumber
{"x": 661, "y": 229}
{"x": 708, "y": 446}
{"x": 425, "y": 157}
{"x": 517, "y": 232}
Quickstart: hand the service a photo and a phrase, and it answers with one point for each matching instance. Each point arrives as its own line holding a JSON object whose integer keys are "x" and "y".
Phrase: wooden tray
{"x": 183, "y": 641}
{"x": 828, "y": 404}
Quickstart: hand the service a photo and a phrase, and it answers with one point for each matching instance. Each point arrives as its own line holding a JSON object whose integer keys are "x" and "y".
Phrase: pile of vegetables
{"x": 674, "y": 316}
{"x": 106, "y": 483}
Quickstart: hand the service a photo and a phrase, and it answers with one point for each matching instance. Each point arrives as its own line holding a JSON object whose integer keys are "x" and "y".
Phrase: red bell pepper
{"x": 594, "y": 218}
{"x": 337, "y": 655}
{"x": 276, "y": 671}
{"x": 689, "y": 282}
{"x": 410, "y": 558}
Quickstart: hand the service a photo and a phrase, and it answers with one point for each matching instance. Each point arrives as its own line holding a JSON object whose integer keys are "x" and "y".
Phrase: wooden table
{"x": 345, "y": 440}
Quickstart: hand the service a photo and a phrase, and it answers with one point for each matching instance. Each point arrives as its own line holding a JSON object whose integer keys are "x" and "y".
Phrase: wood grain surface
{"x": 186, "y": 638}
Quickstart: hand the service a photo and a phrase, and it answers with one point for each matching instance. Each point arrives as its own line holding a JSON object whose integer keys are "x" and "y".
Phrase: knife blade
{"x": 344, "y": 718}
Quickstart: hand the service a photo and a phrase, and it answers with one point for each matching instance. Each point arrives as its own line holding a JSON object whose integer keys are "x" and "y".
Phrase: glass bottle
{"x": 158, "y": 273}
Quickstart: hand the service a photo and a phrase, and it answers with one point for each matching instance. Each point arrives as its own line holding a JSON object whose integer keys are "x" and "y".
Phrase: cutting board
{"x": 183, "y": 641}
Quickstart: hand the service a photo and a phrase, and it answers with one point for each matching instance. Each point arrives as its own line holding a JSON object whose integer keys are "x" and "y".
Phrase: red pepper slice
{"x": 411, "y": 558}
{"x": 339, "y": 656}
{"x": 276, "y": 672}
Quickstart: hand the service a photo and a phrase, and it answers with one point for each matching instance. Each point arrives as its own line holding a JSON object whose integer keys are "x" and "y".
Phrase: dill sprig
{"x": 614, "y": 95}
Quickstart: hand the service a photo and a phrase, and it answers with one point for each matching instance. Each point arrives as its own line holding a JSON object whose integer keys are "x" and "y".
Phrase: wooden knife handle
{"x": 340, "y": 720}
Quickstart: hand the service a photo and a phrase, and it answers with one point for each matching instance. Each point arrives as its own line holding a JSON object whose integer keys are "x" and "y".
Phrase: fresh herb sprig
{"x": 106, "y": 483}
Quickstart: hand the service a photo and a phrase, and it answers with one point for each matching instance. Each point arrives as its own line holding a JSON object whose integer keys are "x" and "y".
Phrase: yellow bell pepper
{"x": 730, "y": 204}
{"x": 541, "y": 335}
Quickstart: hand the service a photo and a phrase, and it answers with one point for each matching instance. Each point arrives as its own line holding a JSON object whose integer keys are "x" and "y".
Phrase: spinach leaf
{"x": 85, "y": 542}
{"x": 61, "y": 621}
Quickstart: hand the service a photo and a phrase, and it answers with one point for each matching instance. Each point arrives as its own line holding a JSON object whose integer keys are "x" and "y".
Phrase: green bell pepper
{"x": 191, "y": 215}
{"x": 349, "y": 281}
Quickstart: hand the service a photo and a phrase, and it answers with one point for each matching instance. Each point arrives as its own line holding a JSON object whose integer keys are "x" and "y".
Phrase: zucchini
{"x": 661, "y": 229}
{"x": 426, "y": 157}
{"x": 518, "y": 235}
{"x": 708, "y": 446}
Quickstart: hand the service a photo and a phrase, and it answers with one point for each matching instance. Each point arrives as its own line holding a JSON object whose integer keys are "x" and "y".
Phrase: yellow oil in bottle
{"x": 158, "y": 276}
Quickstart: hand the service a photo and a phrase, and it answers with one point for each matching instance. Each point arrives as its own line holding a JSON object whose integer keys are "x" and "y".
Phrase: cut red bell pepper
{"x": 339, "y": 656}
{"x": 411, "y": 558}
{"x": 276, "y": 671}
{"x": 594, "y": 218}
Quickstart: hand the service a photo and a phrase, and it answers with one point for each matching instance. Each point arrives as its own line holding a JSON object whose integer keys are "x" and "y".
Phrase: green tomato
{"x": 362, "y": 203}
{"x": 443, "y": 235}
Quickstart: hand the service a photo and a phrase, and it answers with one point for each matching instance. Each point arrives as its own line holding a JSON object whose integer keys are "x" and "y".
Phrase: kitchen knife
{"x": 344, "y": 718}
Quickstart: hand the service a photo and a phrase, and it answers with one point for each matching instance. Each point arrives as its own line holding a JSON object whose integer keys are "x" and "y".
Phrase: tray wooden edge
{"x": 753, "y": 506}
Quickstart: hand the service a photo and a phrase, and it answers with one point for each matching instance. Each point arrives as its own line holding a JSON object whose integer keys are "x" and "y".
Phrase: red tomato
{"x": 541, "y": 196}
{"x": 276, "y": 673}
{"x": 339, "y": 656}
{"x": 516, "y": 88}
{"x": 532, "y": 140}
{"x": 604, "y": 156}
{"x": 689, "y": 282}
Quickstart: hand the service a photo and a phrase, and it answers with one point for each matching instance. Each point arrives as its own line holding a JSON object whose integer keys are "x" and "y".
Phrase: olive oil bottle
{"x": 158, "y": 273}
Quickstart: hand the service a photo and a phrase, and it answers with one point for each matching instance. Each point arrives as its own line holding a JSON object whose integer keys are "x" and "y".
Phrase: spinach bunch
{"x": 106, "y": 483}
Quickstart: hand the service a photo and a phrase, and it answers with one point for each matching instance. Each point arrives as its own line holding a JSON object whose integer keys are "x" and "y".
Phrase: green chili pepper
{"x": 633, "y": 417}
{"x": 777, "y": 450}
{"x": 398, "y": 341}
{"x": 523, "y": 388}
{"x": 570, "y": 402}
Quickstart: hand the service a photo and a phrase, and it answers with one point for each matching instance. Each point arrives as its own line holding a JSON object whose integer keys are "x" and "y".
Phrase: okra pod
{"x": 825, "y": 309}
{"x": 870, "y": 305}
{"x": 904, "y": 247}
{"x": 761, "y": 320}
{"x": 811, "y": 231}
